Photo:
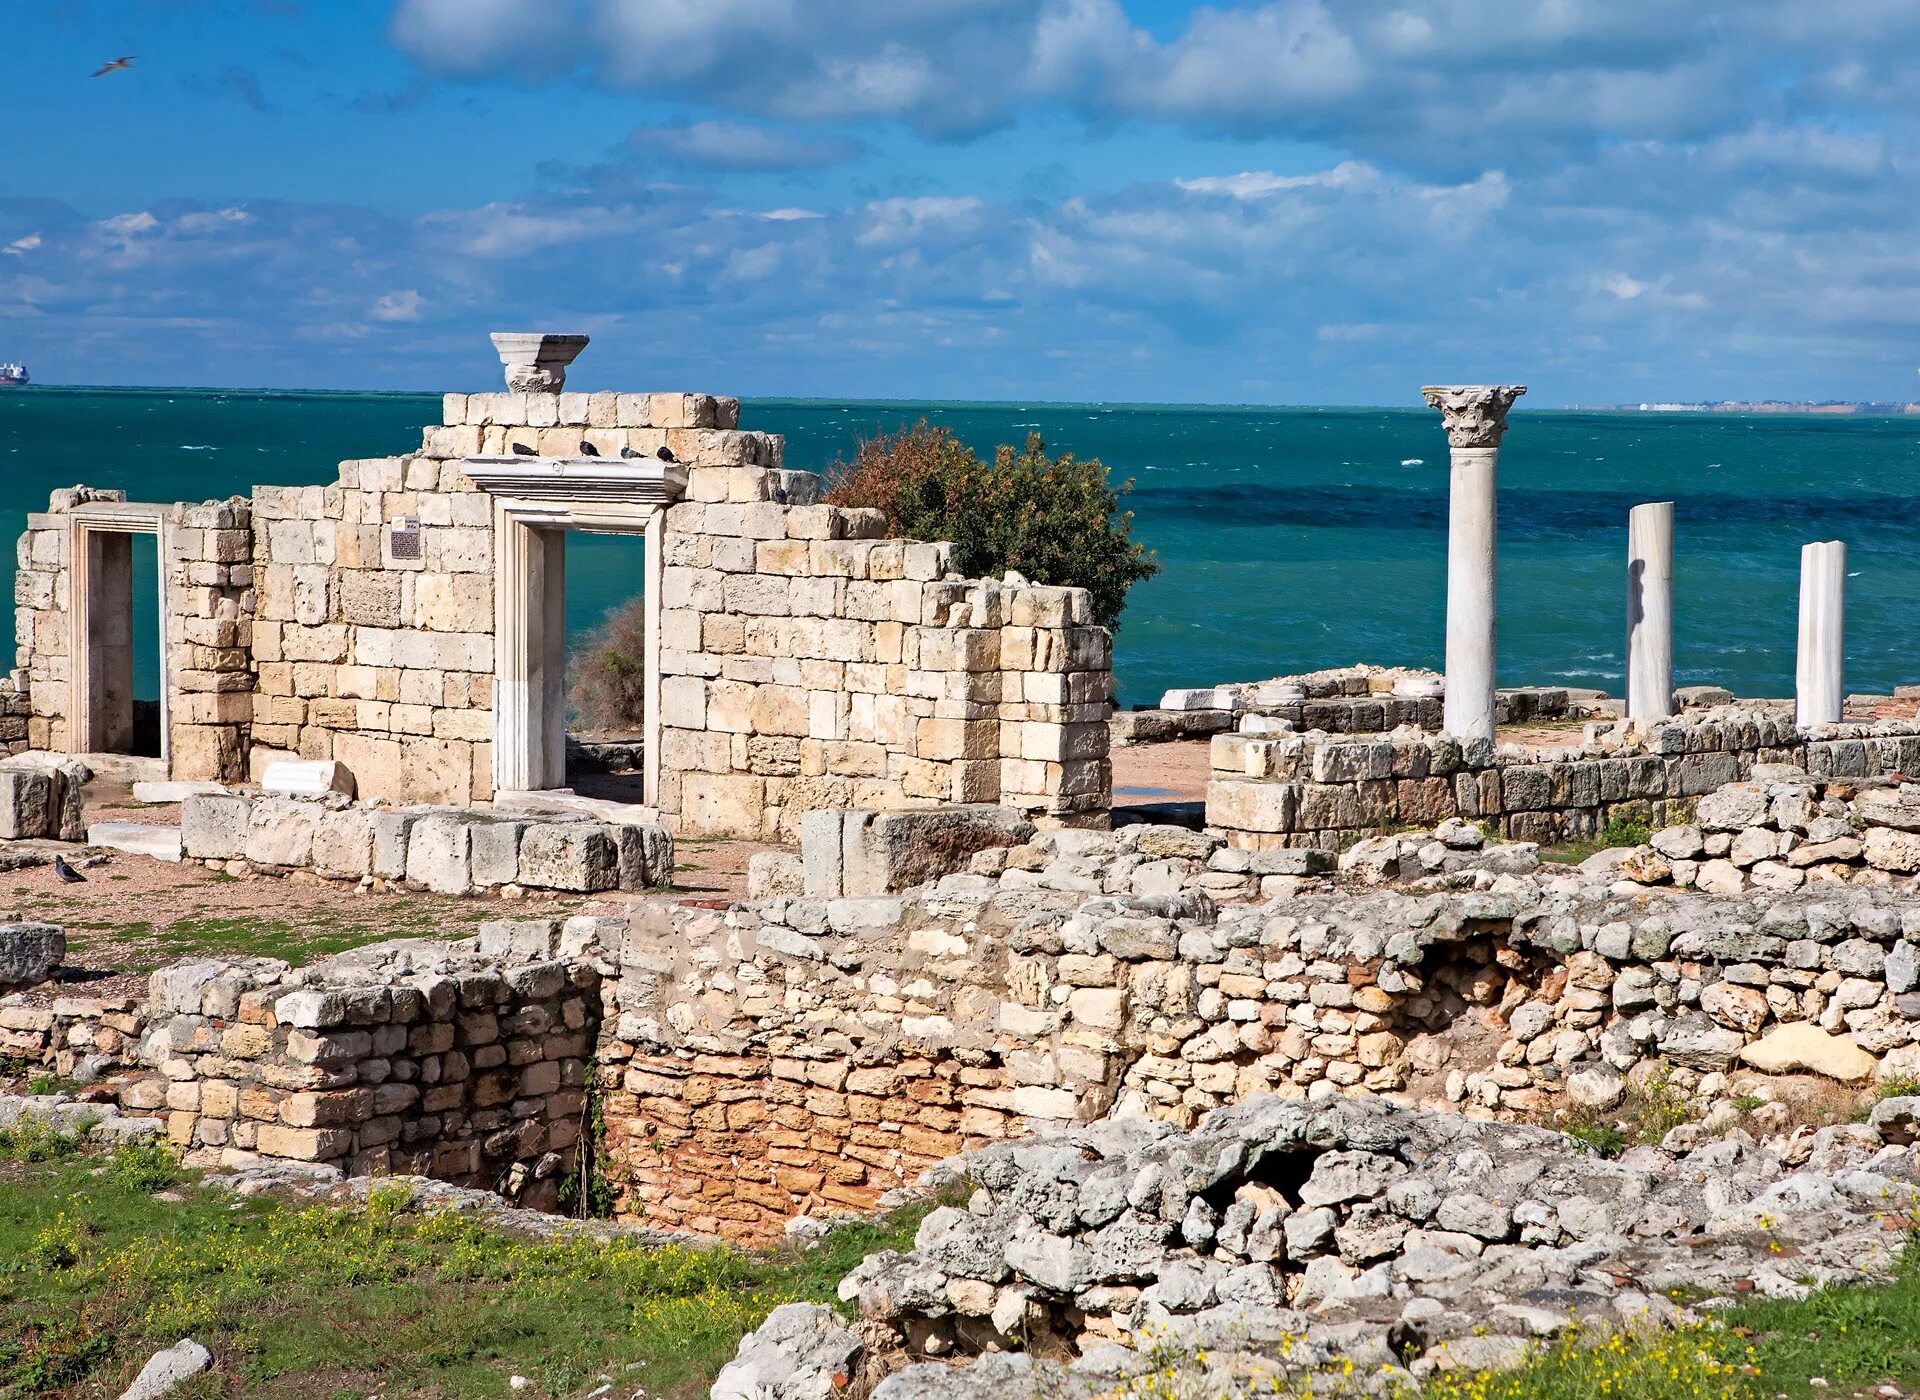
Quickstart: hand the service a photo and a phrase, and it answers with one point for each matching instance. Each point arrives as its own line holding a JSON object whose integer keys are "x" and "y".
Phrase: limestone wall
{"x": 1313, "y": 790}
{"x": 405, "y": 1058}
{"x": 805, "y": 661}
{"x": 809, "y": 663}
{"x": 207, "y": 610}
{"x": 807, "y": 1054}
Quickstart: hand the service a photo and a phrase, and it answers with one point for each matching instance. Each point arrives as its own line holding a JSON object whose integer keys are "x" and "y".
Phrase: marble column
{"x": 1821, "y": 662}
{"x": 1650, "y": 611}
{"x": 1475, "y": 416}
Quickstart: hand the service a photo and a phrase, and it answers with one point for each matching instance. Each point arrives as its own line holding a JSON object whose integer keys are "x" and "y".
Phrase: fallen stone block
{"x": 646, "y": 856}
{"x": 29, "y": 953}
{"x": 775, "y": 875}
{"x": 496, "y": 853}
{"x": 1217, "y": 698}
{"x": 302, "y": 777}
{"x": 134, "y": 838}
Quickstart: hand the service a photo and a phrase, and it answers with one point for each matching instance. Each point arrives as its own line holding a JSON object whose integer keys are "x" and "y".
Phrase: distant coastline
{"x": 1824, "y": 406}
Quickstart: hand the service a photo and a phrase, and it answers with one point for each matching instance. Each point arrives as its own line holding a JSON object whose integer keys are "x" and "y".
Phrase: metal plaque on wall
{"x": 404, "y": 541}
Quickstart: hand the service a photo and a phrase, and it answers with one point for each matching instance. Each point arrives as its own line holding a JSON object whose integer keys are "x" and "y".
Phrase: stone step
{"x": 159, "y": 842}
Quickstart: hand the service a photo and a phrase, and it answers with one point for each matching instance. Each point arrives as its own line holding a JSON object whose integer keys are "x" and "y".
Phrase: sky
{"x": 1277, "y": 201}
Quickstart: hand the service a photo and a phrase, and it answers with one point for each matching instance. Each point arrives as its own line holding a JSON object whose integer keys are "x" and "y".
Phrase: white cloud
{"x": 727, "y": 146}
{"x": 22, "y": 245}
{"x": 398, "y": 306}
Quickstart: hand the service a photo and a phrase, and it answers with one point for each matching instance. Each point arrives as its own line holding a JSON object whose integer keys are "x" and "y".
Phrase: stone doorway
{"x": 536, "y": 502}
{"x": 104, "y": 714}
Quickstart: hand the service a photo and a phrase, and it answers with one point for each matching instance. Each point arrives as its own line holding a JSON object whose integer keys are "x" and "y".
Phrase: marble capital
{"x": 1475, "y": 415}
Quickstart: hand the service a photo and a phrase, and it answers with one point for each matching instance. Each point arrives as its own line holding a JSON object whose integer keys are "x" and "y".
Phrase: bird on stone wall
{"x": 628, "y": 452}
{"x": 587, "y": 449}
{"x": 520, "y": 449}
{"x": 68, "y": 875}
{"x": 665, "y": 454}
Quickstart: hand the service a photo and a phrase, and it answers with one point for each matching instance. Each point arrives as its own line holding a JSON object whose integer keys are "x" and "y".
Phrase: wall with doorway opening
{"x": 78, "y": 630}
{"x": 398, "y": 621}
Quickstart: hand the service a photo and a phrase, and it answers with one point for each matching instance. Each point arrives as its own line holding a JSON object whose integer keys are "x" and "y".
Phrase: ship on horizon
{"x": 13, "y": 376}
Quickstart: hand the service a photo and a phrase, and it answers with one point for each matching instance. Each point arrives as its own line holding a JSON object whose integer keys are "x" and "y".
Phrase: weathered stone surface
{"x": 166, "y": 1371}
{"x": 280, "y": 832}
{"x": 801, "y": 1352}
{"x": 1801, "y": 1046}
{"x": 26, "y": 804}
{"x": 213, "y": 826}
{"x": 578, "y": 856}
{"x": 29, "y": 953}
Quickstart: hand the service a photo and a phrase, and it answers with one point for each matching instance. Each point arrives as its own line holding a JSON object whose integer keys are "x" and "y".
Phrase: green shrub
{"x": 1056, "y": 520}
{"x": 607, "y": 688}
{"x": 144, "y": 1164}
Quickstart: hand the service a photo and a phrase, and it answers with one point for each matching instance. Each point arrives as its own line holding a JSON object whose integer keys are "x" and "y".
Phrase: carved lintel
{"x": 1475, "y": 415}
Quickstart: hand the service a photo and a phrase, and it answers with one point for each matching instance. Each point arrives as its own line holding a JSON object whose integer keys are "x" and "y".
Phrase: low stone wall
{"x": 1343, "y": 700}
{"x": 1784, "y": 829}
{"x": 406, "y": 1057}
{"x": 1316, "y": 790}
{"x": 447, "y": 851}
{"x": 806, "y": 1054}
{"x": 72, "y": 1038}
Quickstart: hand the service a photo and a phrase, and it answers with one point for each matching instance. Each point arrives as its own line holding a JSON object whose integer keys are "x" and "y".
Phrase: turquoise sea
{"x": 1291, "y": 538}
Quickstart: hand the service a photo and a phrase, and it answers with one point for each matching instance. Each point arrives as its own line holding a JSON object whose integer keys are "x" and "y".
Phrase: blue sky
{"x": 1280, "y": 201}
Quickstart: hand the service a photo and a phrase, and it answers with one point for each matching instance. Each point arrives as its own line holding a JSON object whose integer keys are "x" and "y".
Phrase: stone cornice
{"x": 1475, "y": 415}
{"x": 642, "y": 481}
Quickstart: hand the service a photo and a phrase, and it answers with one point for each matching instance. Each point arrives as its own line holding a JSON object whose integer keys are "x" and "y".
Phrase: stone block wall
{"x": 1311, "y": 790}
{"x": 207, "y": 551}
{"x": 449, "y": 851}
{"x": 809, "y": 663}
{"x": 404, "y": 1058}
{"x": 806, "y": 662}
{"x": 73, "y": 1037}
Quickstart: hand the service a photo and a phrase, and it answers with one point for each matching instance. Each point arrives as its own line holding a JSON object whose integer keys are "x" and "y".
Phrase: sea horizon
{"x": 1291, "y": 538}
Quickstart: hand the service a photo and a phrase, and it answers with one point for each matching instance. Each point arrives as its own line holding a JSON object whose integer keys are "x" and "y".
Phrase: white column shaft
{"x": 1820, "y": 665}
{"x": 1650, "y": 611}
{"x": 1472, "y": 515}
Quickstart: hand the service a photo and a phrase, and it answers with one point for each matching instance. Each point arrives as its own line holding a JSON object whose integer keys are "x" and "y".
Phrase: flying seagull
{"x": 68, "y": 875}
{"x": 114, "y": 66}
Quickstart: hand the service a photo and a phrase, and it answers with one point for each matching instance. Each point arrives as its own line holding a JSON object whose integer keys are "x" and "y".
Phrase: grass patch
{"x": 95, "y": 1275}
{"x": 1619, "y": 831}
{"x": 1841, "y": 1340}
{"x": 1648, "y": 1113}
{"x": 297, "y": 940}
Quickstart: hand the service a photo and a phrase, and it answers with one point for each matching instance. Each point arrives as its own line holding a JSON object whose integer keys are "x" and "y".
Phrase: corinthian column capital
{"x": 1475, "y": 415}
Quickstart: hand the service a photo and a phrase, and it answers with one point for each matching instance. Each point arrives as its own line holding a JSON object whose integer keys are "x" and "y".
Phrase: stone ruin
{"x": 407, "y": 622}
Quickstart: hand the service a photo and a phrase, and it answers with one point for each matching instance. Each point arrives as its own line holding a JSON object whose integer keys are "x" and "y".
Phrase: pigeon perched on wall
{"x": 628, "y": 452}
{"x": 665, "y": 454}
{"x": 68, "y": 875}
{"x": 522, "y": 450}
{"x": 587, "y": 449}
